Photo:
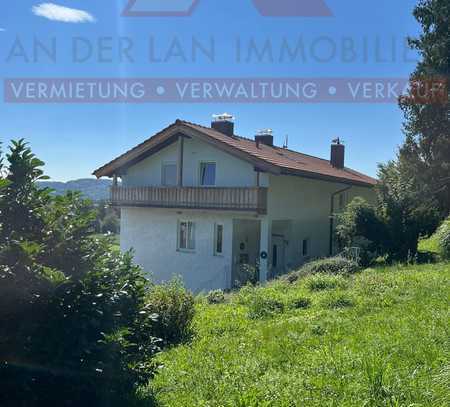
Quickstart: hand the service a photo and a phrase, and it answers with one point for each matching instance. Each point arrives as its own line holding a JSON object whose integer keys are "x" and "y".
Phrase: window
{"x": 169, "y": 174}
{"x": 305, "y": 247}
{"x": 207, "y": 174}
{"x": 218, "y": 239}
{"x": 342, "y": 201}
{"x": 186, "y": 235}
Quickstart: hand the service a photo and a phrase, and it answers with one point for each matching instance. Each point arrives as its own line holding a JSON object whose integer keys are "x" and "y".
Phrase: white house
{"x": 200, "y": 202}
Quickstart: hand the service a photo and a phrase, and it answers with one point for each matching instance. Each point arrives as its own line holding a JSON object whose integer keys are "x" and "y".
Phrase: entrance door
{"x": 278, "y": 255}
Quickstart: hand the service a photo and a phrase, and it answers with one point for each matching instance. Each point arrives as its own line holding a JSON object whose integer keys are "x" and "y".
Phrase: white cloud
{"x": 64, "y": 14}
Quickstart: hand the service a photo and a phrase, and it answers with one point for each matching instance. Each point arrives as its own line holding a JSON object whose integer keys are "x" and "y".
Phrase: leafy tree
{"x": 425, "y": 154}
{"x": 75, "y": 325}
{"x": 406, "y": 212}
{"x": 359, "y": 226}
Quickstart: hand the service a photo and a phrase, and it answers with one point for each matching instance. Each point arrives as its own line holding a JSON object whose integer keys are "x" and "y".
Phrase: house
{"x": 205, "y": 204}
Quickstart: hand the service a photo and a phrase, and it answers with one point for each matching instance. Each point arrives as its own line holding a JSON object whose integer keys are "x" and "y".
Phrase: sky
{"x": 75, "y": 139}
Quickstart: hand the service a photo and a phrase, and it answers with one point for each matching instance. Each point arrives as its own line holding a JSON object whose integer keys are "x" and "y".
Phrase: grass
{"x": 379, "y": 338}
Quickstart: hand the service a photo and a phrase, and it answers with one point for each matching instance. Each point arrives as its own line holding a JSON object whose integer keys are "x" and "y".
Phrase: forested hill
{"x": 95, "y": 189}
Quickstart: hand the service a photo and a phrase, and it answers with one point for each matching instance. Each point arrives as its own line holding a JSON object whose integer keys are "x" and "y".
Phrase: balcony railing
{"x": 252, "y": 199}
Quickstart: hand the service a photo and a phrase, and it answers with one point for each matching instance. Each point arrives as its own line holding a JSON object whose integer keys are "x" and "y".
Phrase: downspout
{"x": 333, "y": 195}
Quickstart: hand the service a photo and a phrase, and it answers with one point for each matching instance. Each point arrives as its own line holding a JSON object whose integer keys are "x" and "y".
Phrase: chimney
{"x": 337, "y": 154}
{"x": 264, "y": 137}
{"x": 223, "y": 123}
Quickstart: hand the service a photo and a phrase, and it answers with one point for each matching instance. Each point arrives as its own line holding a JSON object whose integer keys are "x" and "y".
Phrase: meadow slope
{"x": 378, "y": 338}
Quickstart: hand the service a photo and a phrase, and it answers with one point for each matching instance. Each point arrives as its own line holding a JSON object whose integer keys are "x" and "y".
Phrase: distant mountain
{"x": 95, "y": 189}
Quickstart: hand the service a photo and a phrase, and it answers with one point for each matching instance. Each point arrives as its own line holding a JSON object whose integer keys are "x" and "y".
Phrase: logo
{"x": 267, "y": 8}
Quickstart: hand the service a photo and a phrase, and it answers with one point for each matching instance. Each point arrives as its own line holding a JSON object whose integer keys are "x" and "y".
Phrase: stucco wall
{"x": 152, "y": 233}
{"x": 230, "y": 171}
{"x": 306, "y": 202}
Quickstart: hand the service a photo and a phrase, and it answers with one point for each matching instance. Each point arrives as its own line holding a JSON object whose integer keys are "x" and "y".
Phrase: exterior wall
{"x": 298, "y": 209}
{"x": 230, "y": 171}
{"x": 306, "y": 203}
{"x": 153, "y": 234}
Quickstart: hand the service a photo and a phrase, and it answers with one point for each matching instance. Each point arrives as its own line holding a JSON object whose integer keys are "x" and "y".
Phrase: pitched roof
{"x": 272, "y": 159}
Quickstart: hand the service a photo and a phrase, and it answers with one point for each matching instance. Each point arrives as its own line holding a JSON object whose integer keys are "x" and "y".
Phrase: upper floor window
{"x": 169, "y": 174}
{"x": 186, "y": 235}
{"x": 207, "y": 174}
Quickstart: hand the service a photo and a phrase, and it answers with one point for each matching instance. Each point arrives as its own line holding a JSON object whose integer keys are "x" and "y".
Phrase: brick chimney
{"x": 223, "y": 123}
{"x": 337, "y": 159}
{"x": 264, "y": 137}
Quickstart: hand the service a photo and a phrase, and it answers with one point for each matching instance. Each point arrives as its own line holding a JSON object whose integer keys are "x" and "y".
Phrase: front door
{"x": 278, "y": 255}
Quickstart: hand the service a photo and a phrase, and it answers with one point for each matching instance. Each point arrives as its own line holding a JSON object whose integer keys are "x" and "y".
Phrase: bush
{"x": 173, "y": 308}
{"x": 332, "y": 265}
{"x": 73, "y": 313}
{"x": 443, "y": 235}
{"x": 337, "y": 300}
{"x": 262, "y": 305}
{"x": 321, "y": 282}
{"x": 215, "y": 297}
{"x": 359, "y": 226}
{"x": 301, "y": 302}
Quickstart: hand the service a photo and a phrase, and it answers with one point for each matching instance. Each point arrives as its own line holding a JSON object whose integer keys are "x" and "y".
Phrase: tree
{"x": 406, "y": 212}
{"x": 359, "y": 226}
{"x": 425, "y": 154}
{"x": 74, "y": 324}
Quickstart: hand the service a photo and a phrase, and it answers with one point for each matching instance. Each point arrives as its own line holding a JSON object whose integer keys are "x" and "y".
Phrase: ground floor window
{"x": 305, "y": 247}
{"x": 186, "y": 235}
{"x": 218, "y": 239}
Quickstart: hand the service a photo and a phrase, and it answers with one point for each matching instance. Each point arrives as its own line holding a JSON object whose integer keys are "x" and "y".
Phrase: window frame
{"x": 186, "y": 249}
{"x": 307, "y": 241}
{"x": 216, "y": 235}
{"x": 201, "y": 163}
{"x": 165, "y": 164}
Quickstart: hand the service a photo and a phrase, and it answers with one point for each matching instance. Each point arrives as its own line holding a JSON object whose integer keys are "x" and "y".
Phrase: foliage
{"x": 359, "y": 226}
{"x": 443, "y": 237}
{"x": 406, "y": 212}
{"x": 247, "y": 274}
{"x": 300, "y": 302}
{"x": 425, "y": 155}
{"x": 382, "y": 346}
{"x": 332, "y": 265}
{"x": 173, "y": 307}
{"x": 215, "y": 297}
{"x": 319, "y": 282}
{"x": 75, "y": 326}
{"x": 261, "y": 305}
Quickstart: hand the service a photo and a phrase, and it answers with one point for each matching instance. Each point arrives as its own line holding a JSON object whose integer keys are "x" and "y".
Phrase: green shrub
{"x": 173, "y": 308}
{"x": 72, "y": 311}
{"x": 443, "y": 235}
{"x": 332, "y": 265}
{"x": 262, "y": 306}
{"x": 320, "y": 282}
{"x": 337, "y": 300}
{"x": 215, "y": 297}
{"x": 300, "y": 302}
{"x": 359, "y": 226}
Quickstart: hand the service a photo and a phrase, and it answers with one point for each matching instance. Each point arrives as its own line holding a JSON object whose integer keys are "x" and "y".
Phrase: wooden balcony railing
{"x": 253, "y": 199}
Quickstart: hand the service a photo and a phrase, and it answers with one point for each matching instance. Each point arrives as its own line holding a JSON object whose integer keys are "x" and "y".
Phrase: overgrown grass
{"x": 380, "y": 338}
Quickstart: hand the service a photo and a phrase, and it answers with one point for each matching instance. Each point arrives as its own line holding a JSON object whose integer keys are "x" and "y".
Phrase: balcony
{"x": 252, "y": 199}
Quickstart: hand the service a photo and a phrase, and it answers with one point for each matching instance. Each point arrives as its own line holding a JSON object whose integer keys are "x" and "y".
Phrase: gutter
{"x": 333, "y": 195}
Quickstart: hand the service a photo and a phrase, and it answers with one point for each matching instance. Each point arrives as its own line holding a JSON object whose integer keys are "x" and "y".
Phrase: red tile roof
{"x": 281, "y": 160}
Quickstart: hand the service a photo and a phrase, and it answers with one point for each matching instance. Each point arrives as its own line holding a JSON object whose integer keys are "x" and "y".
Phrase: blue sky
{"x": 73, "y": 140}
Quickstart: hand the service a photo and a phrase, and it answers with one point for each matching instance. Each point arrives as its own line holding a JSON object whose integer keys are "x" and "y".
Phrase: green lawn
{"x": 380, "y": 338}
